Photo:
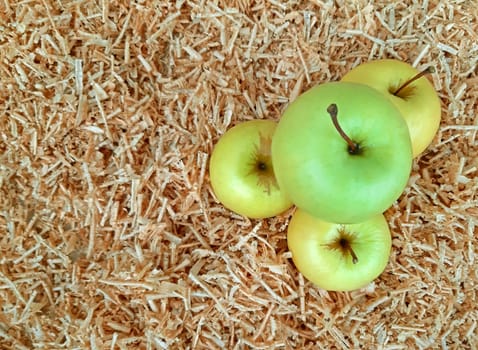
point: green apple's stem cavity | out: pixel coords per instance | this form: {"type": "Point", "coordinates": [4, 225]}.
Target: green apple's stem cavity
{"type": "Point", "coordinates": [343, 244]}
{"type": "Point", "coordinates": [400, 91]}
{"type": "Point", "coordinates": [354, 147]}
{"type": "Point", "coordinates": [261, 164]}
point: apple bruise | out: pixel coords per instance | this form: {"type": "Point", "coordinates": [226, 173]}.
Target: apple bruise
{"type": "Point", "coordinates": [261, 164]}
{"type": "Point", "coordinates": [354, 148]}
{"type": "Point", "coordinates": [343, 244]}
{"type": "Point", "coordinates": [406, 90]}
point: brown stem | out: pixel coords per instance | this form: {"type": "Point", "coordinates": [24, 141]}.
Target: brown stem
{"type": "Point", "coordinates": [348, 248]}
{"type": "Point", "coordinates": [343, 244]}
{"type": "Point", "coordinates": [333, 111]}
{"type": "Point", "coordinates": [428, 70]}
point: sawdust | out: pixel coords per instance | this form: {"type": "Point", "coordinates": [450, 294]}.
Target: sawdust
{"type": "Point", "coordinates": [110, 235]}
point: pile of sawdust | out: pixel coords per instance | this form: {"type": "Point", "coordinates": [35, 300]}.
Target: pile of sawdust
{"type": "Point", "coordinates": [110, 236]}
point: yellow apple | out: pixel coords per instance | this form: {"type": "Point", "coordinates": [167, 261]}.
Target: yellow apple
{"type": "Point", "coordinates": [339, 257]}
{"type": "Point", "coordinates": [411, 92]}
{"type": "Point", "coordinates": [241, 172]}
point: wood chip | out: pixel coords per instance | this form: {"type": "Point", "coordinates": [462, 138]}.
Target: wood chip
{"type": "Point", "coordinates": [111, 237]}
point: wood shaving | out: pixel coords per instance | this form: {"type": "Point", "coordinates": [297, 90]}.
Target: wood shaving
{"type": "Point", "coordinates": [111, 237]}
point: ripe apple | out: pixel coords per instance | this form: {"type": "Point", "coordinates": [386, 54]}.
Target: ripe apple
{"type": "Point", "coordinates": [339, 257]}
{"type": "Point", "coordinates": [413, 94]}
{"type": "Point", "coordinates": [342, 152]}
{"type": "Point", "coordinates": [241, 172]}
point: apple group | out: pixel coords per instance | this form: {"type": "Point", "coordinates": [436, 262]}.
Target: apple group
{"type": "Point", "coordinates": [341, 154]}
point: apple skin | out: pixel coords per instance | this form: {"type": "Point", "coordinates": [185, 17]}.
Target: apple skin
{"type": "Point", "coordinates": [308, 237]}
{"type": "Point", "coordinates": [312, 164]}
{"type": "Point", "coordinates": [421, 106]}
{"type": "Point", "coordinates": [232, 175]}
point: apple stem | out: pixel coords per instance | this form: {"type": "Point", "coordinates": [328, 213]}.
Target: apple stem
{"type": "Point", "coordinates": [345, 245]}
{"type": "Point", "coordinates": [428, 70]}
{"type": "Point", "coordinates": [333, 111]}
{"type": "Point", "coordinates": [352, 253]}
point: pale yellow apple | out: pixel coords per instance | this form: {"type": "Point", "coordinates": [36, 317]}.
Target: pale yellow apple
{"type": "Point", "coordinates": [339, 257]}
{"type": "Point", "coordinates": [418, 102]}
{"type": "Point", "coordinates": [241, 172]}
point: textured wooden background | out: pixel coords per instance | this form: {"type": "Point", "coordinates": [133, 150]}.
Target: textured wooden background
{"type": "Point", "coordinates": [110, 236]}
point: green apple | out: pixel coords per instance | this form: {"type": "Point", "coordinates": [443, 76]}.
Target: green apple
{"type": "Point", "coordinates": [241, 172]}
{"type": "Point", "coordinates": [413, 94]}
{"type": "Point", "coordinates": [339, 257]}
{"type": "Point", "coordinates": [342, 152]}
